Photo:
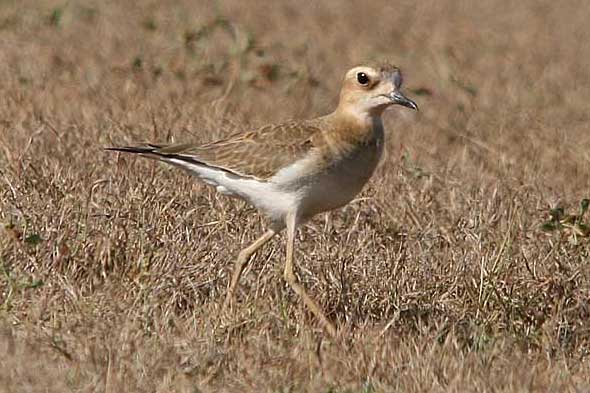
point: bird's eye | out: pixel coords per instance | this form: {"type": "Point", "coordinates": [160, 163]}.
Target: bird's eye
{"type": "Point", "coordinates": [362, 78]}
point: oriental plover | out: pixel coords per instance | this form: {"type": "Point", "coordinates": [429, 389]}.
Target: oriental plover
{"type": "Point", "coordinates": [297, 169]}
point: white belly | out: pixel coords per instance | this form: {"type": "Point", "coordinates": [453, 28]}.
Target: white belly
{"type": "Point", "coordinates": [331, 187]}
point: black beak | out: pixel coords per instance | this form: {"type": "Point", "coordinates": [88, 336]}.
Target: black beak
{"type": "Point", "coordinates": [398, 98]}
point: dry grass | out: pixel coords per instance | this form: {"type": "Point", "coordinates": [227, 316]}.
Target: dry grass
{"type": "Point", "coordinates": [113, 269]}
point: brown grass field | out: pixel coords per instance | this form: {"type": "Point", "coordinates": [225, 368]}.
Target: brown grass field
{"type": "Point", "coordinates": [464, 266]}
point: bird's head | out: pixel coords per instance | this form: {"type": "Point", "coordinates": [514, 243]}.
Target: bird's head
{"type": "Point", "coordinates": [369, 90]}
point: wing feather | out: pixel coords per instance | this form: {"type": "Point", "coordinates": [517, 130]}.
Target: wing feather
{"type": "Point", "coordinates": [257, 154]}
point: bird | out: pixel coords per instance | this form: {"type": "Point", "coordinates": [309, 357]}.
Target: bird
{"type": "Point", "coordinates": [294, 170]}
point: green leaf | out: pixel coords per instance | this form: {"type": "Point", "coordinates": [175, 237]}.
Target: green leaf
{"type": "Point", "coordinates": [150, 24]}
{"type": "Point", "coordinates": [35, 284]}
{"type": "Point", "coordinates": [556, 213]}
{"type": "Point", "coordinates": [550, 226]}
{"type": "Point", "coordinates": [56, 16]}
{"type": "Point", "coordinates": [584, 203]}
{"type": "Point", "coordinates": [33, 239]}
{"type": "Point", "coordinates": [137, 63]}
{"type": "Point", "coordinates": [422, 91]}
{"type": "Point", "coordinates": [584, 229]}
{"type": "Point", "coordinates": [368, 387]}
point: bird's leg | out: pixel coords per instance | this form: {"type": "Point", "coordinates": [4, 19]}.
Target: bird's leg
{"type": "Point", "coordinates": [242, 261]}
{"type": "Point", "coordinates": [292, 280]}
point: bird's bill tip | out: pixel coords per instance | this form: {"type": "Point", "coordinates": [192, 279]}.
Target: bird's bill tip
{"type": "Point", "coordinates": [397, 97]}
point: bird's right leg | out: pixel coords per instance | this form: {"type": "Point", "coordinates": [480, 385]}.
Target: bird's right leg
{"type": "Point", "coordinates": [242, 261]}
{"type": "Point", "coordinates": [290, 277]}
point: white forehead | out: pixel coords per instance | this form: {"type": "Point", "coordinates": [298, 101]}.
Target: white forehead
{"type": "Point", "coordinates": [393, 73]}
{"type": "Point", "coordinates": [370, 71]}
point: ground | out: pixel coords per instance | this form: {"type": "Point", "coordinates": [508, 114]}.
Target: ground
{"type": "Point", "coordinates": [463, 266]}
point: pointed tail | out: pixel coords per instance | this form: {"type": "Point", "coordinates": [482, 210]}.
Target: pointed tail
{"type": "Point", "coordinates": [147, 149]}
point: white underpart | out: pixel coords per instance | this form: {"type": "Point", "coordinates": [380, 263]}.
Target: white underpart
{"type": "Point", "coordinates": [269, 197]}
{"type": "Point", "coordinates": [293, 177]}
